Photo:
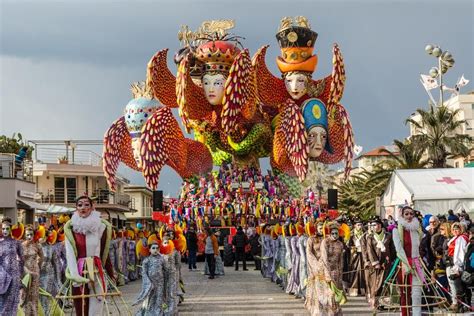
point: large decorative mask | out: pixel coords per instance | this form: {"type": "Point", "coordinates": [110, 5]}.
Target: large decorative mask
{"type": "Point", "coordinates": [137, 112]}
{"type": "Point", "coordinates": [316, 123]}
{"type": "Point", "coordinates": [213, 84]}
{"type": "Point", "coordinates": [217, 57]}
{"type": "Point", "coordinates": [296, 84]}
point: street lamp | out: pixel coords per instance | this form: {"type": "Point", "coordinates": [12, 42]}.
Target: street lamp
{"type": "Point", "coordinates": [445, 62]}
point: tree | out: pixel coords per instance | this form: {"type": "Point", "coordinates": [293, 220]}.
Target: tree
{"type": "Point", "coordinates": [409, 156]}
{"type": "Point", "coordinates": [439, 137]}
{"type": "Point", "coordinates": [12, 145]}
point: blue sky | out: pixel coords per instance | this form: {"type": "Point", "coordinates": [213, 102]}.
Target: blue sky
{"type": "Point", "coordinates": [66, 67]}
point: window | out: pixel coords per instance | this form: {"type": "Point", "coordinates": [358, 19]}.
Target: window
{"type": "Point", "coordinates": [65, 189]}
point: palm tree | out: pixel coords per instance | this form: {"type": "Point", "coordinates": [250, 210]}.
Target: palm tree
{"type": "Point", "coordinates": [439, 137]}
{"type": "Point", "coordinates": [409, 156]}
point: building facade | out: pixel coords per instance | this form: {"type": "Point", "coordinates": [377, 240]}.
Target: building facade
{"type": "Point", "coordinates": [61, 178]}
{"type": "Point", "coordinates": [17, 189]}
{"type": "Point", "coordinates": [142, 199]}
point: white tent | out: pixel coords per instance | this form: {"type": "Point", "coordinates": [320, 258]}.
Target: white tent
{"type": "Point", "coordinates": [433, 191]}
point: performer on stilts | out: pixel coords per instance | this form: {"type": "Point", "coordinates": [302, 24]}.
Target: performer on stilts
{"type": "Point", "coordinates": [406, 238]}
{"type": "Point", "coordinates": [87, 252]}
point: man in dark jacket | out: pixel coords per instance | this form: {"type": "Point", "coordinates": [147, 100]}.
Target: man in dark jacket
{"type": "Point", "coordinates": [256, 249]}
{"type": "Point", "coordinates": [239, 242]}
{"type": "Point", "coordinates": [191, 242]}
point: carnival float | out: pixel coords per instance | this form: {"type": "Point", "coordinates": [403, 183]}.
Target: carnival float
{"type": "Point", "coordinates": [236, 108]}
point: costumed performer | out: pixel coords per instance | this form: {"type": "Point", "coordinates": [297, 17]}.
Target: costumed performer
{"type": "Point", "coordinates": [50, 273]}
{"type": "Point", "coordinates": [380, 253]}
{"type": "Point", "coordinates": [153, 285]}
{"type": "Point", "coordinates": [87, 248]}
{"type": "Point", "coordinates": [33, 257]}
{"type": "Point", "coordinates": [356, 242]}
{"type": "Point", "coordinates": [11, 269]}
{"type": "Point", "coordinates": [406, 238]}
{"type": "Point", "coordinates": [331, 260]}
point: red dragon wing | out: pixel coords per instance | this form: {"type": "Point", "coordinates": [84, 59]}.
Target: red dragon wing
{"type": "Point", "coordinates": [239, 93]}
{"type": "Point", "coordinates": [192, 102]}
{"type": "Point", "coordinates": [296, 144]}
{"type": "Point", "coordinates": [161, 80]}
{"type": "Point", "coordinates": [117, 147]}
{"type": "Point", "coordinates": [162, 142]}
{"type": "Point", "coordinates": [270, 89]}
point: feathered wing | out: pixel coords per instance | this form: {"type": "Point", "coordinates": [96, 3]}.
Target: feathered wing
{"type": "Point", "coordinates": [271, 90]}
{"type": "Point", "coordinates": [338, 77]}
{"type": "Point", "coordinates": [239, 93]}
{"type": "Point", "coordinates": [162, 142]}
{"type": "Point", "coordinates": [117, 147]}
{"type": "Point", "coordinates": [192, 102]}
{"type": "Point", "coordinates": [341, 136]}
{"type": "Point", "coordinates": [295, 137]}
{"type": "Point", "coordinates": [160, 79]}
{"type": "Point", "coordinates": [348, 141]}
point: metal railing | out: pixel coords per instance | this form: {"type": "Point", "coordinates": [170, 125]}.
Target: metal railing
{"type": "Point", "coordinates": [69, 195]}
{"type": "Point", "coordinates": [14, 167]}
{"type": "Point", "coordinates": [72, 157]}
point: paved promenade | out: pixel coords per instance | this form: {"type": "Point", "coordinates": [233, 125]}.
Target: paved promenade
{"type": "Point", "coordinates": [238, 293]}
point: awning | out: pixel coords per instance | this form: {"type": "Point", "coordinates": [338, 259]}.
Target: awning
{"type": "Point", "coordinates": [30, 204]}
{"type": "Point", "coordinates": [58, 209]}
{"type": "Point", "coordinates": [121, 216]}
{"type": "Point", "coordinates": [116, 215]}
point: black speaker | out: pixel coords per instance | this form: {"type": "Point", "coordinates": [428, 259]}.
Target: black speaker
{"type": "Point", "coordinates": [332, 199]}
{"type": "Point", "coordinates": [158, 201]}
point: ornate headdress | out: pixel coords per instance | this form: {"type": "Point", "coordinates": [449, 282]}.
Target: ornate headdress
{"type": "Point", "coordinates": [296, 40]}
{"type": "Point", "coordinates": [216, 49]}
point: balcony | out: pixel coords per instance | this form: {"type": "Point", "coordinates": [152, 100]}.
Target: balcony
{"type": "Point", "coordinates": [69, 196]}
{"type": "Point", "coordinates": [47, 155]}
{"type": "Point", "coordinates": [12, 167]}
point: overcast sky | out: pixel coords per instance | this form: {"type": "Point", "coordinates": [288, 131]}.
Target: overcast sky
{"type": "Point", "coordinates": [66, 67]}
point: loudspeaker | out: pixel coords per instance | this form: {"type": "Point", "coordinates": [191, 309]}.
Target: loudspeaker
{"type": "Point", "coordinates": [332, 199]}
{"type": "Point", "coordinates": [158, 201]}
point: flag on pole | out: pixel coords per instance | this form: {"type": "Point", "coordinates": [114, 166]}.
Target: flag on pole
{"type": "Point", "coordinates": [428, 82]}
{"type": "Point", "coordinates": [462, 82]}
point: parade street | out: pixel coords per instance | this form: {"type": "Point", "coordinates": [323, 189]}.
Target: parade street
{"type": "Point", "coordinates": [238, 293]}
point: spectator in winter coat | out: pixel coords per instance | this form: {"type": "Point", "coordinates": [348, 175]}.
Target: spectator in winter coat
{"type": "Point", "coordinates": [239, 242]}
{"type": "Point", "coordinates": [256, 249]}
{"type": "Point", "coordinates": [457, 247]}
{"type": "Point", "coordinates": [425, 245]}
{"type": "Point", "coordinates": [451, 217]}
{"type": "Point", "coordinates": [211, 251]}
{"type": "Point", "coordinates": [191, 242]}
